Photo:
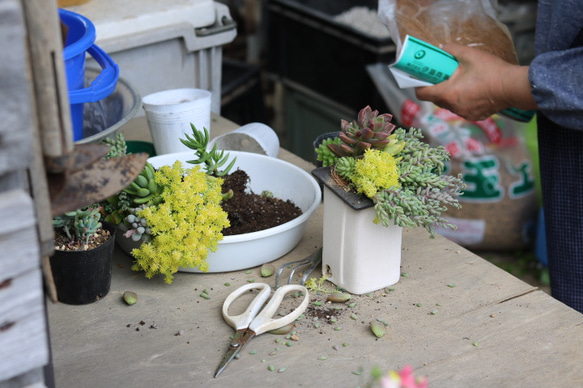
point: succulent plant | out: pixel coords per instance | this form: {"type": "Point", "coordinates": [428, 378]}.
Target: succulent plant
{"type": "Point", "coordinates": [370, 130]}
{"type": "Point", "coordinates": [137, 227]}
{"type": "Point", "coordinates": [400, 173]}
{"type": "Point", "coordinates": [324, 154]}
{"type": "Point", "coordinates": [144, 189]}
{"type": "Point", "coordinates": [185, 227]}
{"type": "Point", "coordinates": [79, 225]}
{"type": "Point", "coordinates": [214, 159]}
{"type": "Point", "coordinates": [117, 146]}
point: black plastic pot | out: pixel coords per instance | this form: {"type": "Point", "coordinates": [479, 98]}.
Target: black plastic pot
{"type": "Point", "coordinates": [83, 277]}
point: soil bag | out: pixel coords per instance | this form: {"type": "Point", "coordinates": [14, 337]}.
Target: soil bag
{"type": "Point", "coordinates": [467, 22]}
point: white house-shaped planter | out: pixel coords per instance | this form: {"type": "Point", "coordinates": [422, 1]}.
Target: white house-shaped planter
{"type": "Point", "coordinates": [358, 255]}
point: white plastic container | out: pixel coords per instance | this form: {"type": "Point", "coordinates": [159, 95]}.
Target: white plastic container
{"type": "Point", "coordinates": [253, 137]}
{"type": "Point", "coordinates": [160, 45]}
{"type": "Point", "coordinates": [170, 114]}
{"type": "Point", "coordinates": [358, 255]}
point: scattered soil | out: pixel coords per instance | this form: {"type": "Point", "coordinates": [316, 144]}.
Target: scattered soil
{"type": "Point", "coordinates": [62, 242]}
{"type": "Point", "coordinates": [251, 212]}
{"type": "Point", "coordinates": [324, 314]}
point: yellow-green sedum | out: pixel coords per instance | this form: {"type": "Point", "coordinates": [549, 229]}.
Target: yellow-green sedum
{"type": "Point", "coordinates": [185, 226]}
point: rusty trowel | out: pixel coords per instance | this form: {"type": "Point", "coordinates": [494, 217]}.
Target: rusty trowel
{"type": "Point", "coordinates": [86, 178]}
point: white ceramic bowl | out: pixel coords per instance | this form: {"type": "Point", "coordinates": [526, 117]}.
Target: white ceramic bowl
{"type": "Point", "coordinates": [285, 181]}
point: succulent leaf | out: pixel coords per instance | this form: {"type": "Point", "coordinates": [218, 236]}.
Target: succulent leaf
{"type": "Point", "coordinates": [370, 130]}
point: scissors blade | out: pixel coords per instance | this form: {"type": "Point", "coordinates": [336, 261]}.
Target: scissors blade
{"type": "Point", "coordinates": [241, 338]}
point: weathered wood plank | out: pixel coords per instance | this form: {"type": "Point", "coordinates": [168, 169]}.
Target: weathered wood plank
{"type": "Point", "coordinates": [23, 333]}
{"type": "Point", "coordinates": [32, 379]}
{"type": "Point", "coordinates": [18, 239]}
{"type": "Point", "coordinates": [50, 83]}
{"type": "Point", "coordinates": [16, 211]}
{"type": "Point", "coordinates": [23, 338]}
{"type": "Point", "coordinates": [14, 91]}
{"type": "Point", "coordinates": [20, 148]}
{"type": "Point", "coordinates": [512, 345]}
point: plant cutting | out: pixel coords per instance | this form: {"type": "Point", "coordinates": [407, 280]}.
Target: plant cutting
{"type": "Point", "coordinates": [378, 179]}
{"type": "Point", "coordinates": [182, 205]}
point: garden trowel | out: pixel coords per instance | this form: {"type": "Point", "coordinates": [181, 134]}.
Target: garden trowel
{"type": "Point", "coordinates": [90, 179]}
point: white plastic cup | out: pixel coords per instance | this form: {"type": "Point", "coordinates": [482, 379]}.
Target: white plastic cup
{"type": "Point", "coordinates": [253, 137]}
{"type": "Point", "coordinates": [170, 114]}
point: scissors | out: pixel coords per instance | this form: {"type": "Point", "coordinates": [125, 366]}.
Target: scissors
{"type": "Point", "coordinates": [253, 322]}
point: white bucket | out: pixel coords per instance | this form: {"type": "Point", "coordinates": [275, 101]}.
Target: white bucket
{"type": "Point", "coordinates": [170, 114]}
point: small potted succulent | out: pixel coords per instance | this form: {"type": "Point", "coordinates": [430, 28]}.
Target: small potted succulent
{"type": "Point", "coordinates": [83, 257]}
{"type": "Point", "coordinates": [378, 179]}
{"type": "Point", "coordinates": [82, 261]}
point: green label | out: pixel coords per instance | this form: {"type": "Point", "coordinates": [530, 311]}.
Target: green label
{"type": "Point", "coordinates": [425, 62]}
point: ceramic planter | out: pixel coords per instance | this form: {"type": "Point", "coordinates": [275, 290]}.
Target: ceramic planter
{"type": "Point", "coordinates": [358, 255]}
{"type": "Point", "coordinates": [83, 277]}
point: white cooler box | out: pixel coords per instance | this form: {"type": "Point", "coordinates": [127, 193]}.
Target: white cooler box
{"type": "Point", "coordinates": [161, 45]}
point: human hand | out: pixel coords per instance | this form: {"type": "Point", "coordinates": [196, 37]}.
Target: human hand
{"type": "Point", "coordinates": [483, 84]}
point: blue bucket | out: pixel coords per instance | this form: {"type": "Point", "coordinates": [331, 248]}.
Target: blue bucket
{"type": "Point", "coordinates": [80, 40]}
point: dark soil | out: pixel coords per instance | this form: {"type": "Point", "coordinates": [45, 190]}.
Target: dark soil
{"type": "Point", "coordinates": [62, 242]}
{"type": "Point", "coordinates": [251, 212]}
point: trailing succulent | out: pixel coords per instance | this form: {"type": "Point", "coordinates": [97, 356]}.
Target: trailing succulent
{"type": "Point", "coordinates": [395, 168]}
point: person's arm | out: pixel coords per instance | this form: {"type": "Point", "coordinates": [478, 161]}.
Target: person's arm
{"type": "Point", "coordinates": [482, 85]}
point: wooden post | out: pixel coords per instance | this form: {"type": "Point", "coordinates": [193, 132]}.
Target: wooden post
{"type": "Point", "coordinates": [50, 82]}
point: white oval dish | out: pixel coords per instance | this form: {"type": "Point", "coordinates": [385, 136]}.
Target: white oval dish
{"type": "Point", "coordinates": [285, 181]}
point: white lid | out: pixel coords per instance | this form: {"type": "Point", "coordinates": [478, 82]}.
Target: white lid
{"type": "Point", "coordinates": [116, 18]}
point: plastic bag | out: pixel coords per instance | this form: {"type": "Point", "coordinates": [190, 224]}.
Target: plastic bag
{"type": "Point", "coordinates": [468, 22]}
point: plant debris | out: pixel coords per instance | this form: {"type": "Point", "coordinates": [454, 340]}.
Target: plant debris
{"type": "Point", "coordinates": [130, 297]}
{"type": "Point", "coordinates": [378, 328]}
{"type": "Point", "coordinates": [267, 270]}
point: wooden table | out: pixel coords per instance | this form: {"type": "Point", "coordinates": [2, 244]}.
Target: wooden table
{"type": "Point", "coordinates": [453, 316]}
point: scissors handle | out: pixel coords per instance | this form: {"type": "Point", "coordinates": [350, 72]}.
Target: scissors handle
{"type": "Point", "coordinates": [243, 320]}
{"type": "Point", "coordinates": [264, 322]}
